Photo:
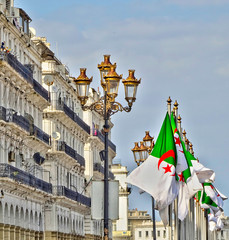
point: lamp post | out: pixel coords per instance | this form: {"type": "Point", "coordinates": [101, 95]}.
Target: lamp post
{"type": "Point", "coordinates": [140, 155]}
{"type": "Point", "coordinates": [107, 106]}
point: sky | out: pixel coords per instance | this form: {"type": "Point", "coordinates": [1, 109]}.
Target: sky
{"type": "Point", "coordinates": [179, 48]}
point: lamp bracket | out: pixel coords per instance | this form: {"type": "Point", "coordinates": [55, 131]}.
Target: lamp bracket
{"type": "Point", "coordinates": [112, 107]}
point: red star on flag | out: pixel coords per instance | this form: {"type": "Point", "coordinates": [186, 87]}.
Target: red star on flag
{"type": "Point", "coordinates": [181, 177]}
{"type": "Point", "coordinates": [177, 141]}
{"type": "Point", "coordinates": [168, 168]}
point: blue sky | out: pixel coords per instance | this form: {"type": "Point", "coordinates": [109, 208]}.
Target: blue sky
{"type": "Point", "coordinates": [178, 47]}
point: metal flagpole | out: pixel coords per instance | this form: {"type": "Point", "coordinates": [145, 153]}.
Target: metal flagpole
{"type": "Point", "coordinates": [154, 221]}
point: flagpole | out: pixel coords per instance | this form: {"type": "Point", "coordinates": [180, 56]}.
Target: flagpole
{"type": "Point", "coordinates": [206, 219]}
{"type": "Point", "coordinates": [154, 221]}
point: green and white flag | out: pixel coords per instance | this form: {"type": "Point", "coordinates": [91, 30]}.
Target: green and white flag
{"type": "Point", "coordinates": [211, 198]}
{"type": "Point", "coordinates": [204, 174]}
{"type": "Point", "coordinates": [157, 175]}
{"type": "Point", "coordinates": [214, 195]}
{"type": "Point", "coordinates": [188, 181]}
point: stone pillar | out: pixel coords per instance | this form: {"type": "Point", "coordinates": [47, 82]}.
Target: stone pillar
{"type": "Point", "coordinates": [22, 234]}
{"type": "Point", "coordinates": [27, 234]}
{"type": "Point", "coordinates": [6, 232]}
{"type": "Point", "coordinates": [17, 233]}
{"type": "Point", "coordinates": [12, 232]}
{"type": "Point", "coordinates": [1, 231]}
{"type": "Point", "coordinates": [32, 235]}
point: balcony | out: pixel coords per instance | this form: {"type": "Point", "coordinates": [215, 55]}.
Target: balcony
{"type": "Point", "coordinates": [18, 67]}
{"type": "Point", "coordinates": [98, 167]}
{"type": "Point", "coordinates": [62, 146]}
{"type": "Point", "coordinates": [9, 115]}
{"type": "Point", "coordinates": [102, 138]}
{"type": "Point", "coordinates": [75, 196]}
{"type": "Point", "coordinates": [40, 90]}
{"type": "Point", "coordinates": [18, 175]}
{"type": "Point", "coordinates": [60, 105]}
{"type": "Point", "coordinates": [25, 72]}
{"type": "Point", "coordinates": [37, 132]}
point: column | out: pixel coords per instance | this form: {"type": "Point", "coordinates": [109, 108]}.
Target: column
{"type": "Point", "coordinates": [1, 231]}
{"type": "Point", "coordinates": [32, 235]}
{"type": "Point", "coordinates": [27, 234]}
{"type": "Point", "coordinates": [22, 233]}
{"type": "Point", "coordinates": [6, 232]}
{"type": "Point", "coordinates": [17, 233]}
{"type": "Point", "coordinates": [12, 232]}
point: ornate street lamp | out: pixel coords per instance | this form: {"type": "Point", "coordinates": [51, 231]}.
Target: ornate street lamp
{"type": "Point", "coordinates": [140, 155]}
{"type": "Point", "coordinates": [82, 85]}
{"type": "Point", "coordinates": [107, 106]}
{"type": "Point", "coordinates": [148, 142]}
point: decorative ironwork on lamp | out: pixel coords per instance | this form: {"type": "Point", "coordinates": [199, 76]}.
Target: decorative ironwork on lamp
{"type": "Point", "coordinates": [110, 83]}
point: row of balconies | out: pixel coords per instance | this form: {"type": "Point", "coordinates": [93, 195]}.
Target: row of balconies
{"type": "Point", "coordinates": [97, 133]}
{"type": "Point", "coordinates": [62, 146]}
{"type": "Point", "coordinates": [9, 115]}
{"type": "Point", "coordinates": [64, 191]}
{"type": "Point", "coordinates": [98, 167]}
{"type": "Point", "coordinates": [60, 105]}
{"type": "Point", "coordinates": [25, 72]}
{"type": "Point", "coordinates": [20, 176]}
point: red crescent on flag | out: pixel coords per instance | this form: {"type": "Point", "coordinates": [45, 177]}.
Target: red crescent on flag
{"type": "Point", "coordinates": [166, 155]}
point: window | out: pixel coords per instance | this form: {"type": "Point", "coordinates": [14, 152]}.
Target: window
{"type": "Point", "coordinates": [164, 234]}
{"type": "Point", "coordinates": [158, 233]}
{"type": "Point", "coordinates": [140, 234]}
{"type": "Point", "coordinates": [147, 234]}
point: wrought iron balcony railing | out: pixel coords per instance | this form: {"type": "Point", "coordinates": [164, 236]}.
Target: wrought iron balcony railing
{"type": "Point", "coordinates": [37, 132]}
{"type": "Point", "coordinates": [40, 90]}
{"type": "Point", "coordinates": [60, 105]}
{"type": "Point", "coordinates": [62, 146]}
{"type": "Point", "coordinates": [23, 177]}
{"type": "Point", "coordinates": [9, 115]}
{"type": "Point", "coordinates": [73, 195]}
{"type": "Point", "coordinates": [102, 138]}
{"type": "Point", "coordinates": [98, 167]}
{"type": "Point", "coordinates": [25, 72]}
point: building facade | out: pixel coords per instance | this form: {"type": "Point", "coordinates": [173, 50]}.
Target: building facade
{"type": "Point", "coordinates": [120, 227]}
{"type": "Point", "coordinates": [49, 147]}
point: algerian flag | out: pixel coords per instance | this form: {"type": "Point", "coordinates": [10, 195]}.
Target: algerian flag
{"type": "Point", "coordinates": [188, 181]}
{"type": "Point", "coordinates": [214, 194]}
{"type": "Point", "coordinates": [204, 174]}
{"type": "Point", "coordinates": [210, 198]}
{"type": "Point", "coordinates": [156, 175]}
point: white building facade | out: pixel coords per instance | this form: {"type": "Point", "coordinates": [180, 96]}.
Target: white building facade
{"type": "Point", "coordinates": [120, 227]}
{"type": "Point", "coordinates": [49, 147]}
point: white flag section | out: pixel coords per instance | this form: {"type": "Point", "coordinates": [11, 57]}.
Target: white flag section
{"type": "Point", "coordinates": [204, 174]}
{"type": "Point", "coordinates": [214, 221]}
{"type": "Point", "coordinates": [157, 179]}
